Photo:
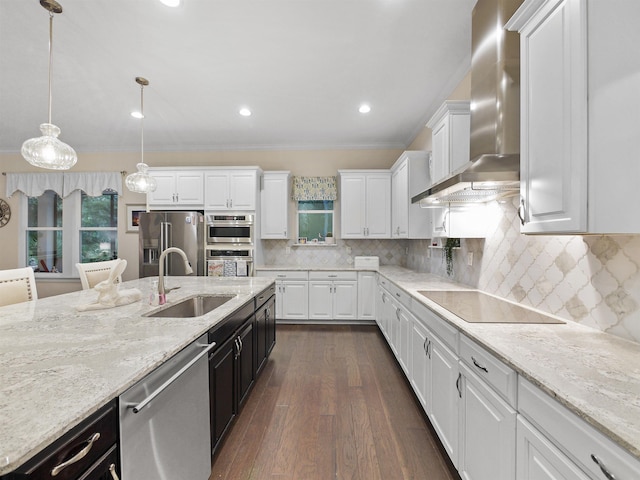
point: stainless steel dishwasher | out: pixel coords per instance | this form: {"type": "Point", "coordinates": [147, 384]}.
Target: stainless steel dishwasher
{"type": "Point", "coordinates": [164, 420]}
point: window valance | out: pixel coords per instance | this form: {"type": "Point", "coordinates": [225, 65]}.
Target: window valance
{"type": "Point", "coordinates": [314, 188]}
{"type": "Point", "coordinates": [63, 183]}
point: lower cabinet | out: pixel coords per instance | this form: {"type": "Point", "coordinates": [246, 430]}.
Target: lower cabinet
{"type": "Point", "coordinates": [487, 448]}
{"type": "Point", "coordinates": [265, 327]}
{"type": "Point", "coordinates": [333, 295]}
{"type": "Point", "coordinates": [367, 287]}
{"type": "Point", "coordinates": [246, 338]}
{"type": "Point", "coordinates": [88, 452]}
{"type": "Point", "coordinates": [539, 459]}
{"type": "Point", "coordinates": [443, 396]}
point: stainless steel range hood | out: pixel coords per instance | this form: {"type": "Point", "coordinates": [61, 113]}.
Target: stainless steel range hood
{"type": "Point", "coordinates": [494, 168]}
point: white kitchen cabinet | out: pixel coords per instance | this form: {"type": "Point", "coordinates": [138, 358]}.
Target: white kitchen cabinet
{"type": "Point", "coordinates": [367, 286]}
{"type": "Point", "coordinates": [539, 459]}
{"type": "Point", "coordinates": [292, 293]}
{"type": "Point", "coordinates": [333, 295]}
{"type": "Point", "coordinates": [230, 189]}
{"type": "Point", "coordinates": [383, 308]}
{"type": "Point", "coordinates": [365, 203]}
{"type": "Point", "coordinates": [579, 116]}
{"type": "Point", "coordinates": [585, 447]}
{"type": "Point", "coordinates": [409, 177]}
{"type": "Point", "coordinates": [444, 394]}
{"type": "Point", "coordinates": [459, 221]}
{"type": "Point", "coordinates": [487, 447]}
{"type": "Point", "coordinates": [274, 207]}
{"type": "Point", "coordinates": [450, 129]}
{"type": "Point", "coordinates": [176, 189]}
{"type": "Point", "coordinates": [420, 363]}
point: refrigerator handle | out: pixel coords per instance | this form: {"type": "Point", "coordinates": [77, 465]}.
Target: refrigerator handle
{"type": "Point", "coordinates": [165, 242]}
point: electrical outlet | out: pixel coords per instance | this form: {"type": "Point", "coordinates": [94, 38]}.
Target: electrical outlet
{"type": "Point", "coordinates": [470, 258]}
{"type": "Point", "coordinates": [348, 250]}
{"type": "Point", "coordinates": [428, 253]}
{"type": "Point", "coordinates": [287, 250]}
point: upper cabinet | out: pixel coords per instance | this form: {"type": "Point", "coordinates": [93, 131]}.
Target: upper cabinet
{"type": "Point", "coordinates": [580, 114]}
{"type": "Point", "coordinates": [231, 189]}
{"type": "Point", "coordinates": [274, 208]}
{"type": "Point", "coordinates": [176, 189]}
{"type": "Point", "coordinates": [365, 203]}
{"type": "Point", "coordinates": [450, 127]}
{"type": "Point", "coordinates": [409, 177]}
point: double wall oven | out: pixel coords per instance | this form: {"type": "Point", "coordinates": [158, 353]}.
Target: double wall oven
{"type": "Point", "coordinates": [229, 244]}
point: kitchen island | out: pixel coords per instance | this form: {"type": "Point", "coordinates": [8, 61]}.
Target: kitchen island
{"type": "Point", "coordinates": [58, 365]}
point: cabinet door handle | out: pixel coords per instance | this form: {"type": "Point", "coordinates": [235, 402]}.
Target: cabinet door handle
{"type": "Point", "coordinates": [475, 362]}
{"type": "Point", "coordinates": [608, 475]}
{"type": "Point", "coordinates": [241, 344]}
{"type": "Point", "coordinates": [521, 211]}
{"type": "Point", "coordinates": [429, 349]}
{"type": "Point", "coordinates": [77, 457]}
{"type": "Point", "coordinates": [112, 471]}
{"type": "Point", "coordinates": [458, 385]}
{"type": "Point", "coordinates": [398, 314]}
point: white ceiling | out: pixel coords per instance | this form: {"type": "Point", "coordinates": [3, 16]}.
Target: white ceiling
{"type": "Point", "coordinates": [302, 66]}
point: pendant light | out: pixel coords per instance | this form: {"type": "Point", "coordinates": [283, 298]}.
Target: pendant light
{"type": "Point", "coordinates": [47, 151]}
{"type": "Point", "coordinates": [141, 181]}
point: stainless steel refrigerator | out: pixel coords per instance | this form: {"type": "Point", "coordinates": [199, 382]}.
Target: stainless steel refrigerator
{"type": "Point", "coordinates": [161, 230]}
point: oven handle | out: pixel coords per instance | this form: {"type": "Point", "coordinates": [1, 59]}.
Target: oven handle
{"type": "Point", "coordinates": [161, 388]}
{"type": "Point", "coordinates": [234, 259]}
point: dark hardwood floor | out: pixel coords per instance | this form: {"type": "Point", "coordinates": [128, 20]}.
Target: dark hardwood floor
{"type": "Point", "coordinates": [331, 404]}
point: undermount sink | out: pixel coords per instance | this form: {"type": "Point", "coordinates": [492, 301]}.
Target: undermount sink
{"type": "Point", "coordinates": [195, 306]}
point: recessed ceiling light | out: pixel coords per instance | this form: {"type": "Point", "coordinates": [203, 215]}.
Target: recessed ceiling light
{"type": "Point", "coordinates": [137, 115]}
{"type": "Point", "coordinates": [364, 108]}
{"type": "Point", "coordinates": [245, 112]}
{"type": "Point", "coordinates": [171, 3]}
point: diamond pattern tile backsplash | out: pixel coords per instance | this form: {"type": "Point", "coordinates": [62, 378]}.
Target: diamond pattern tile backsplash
{"type": "Point", "coordinates": [390, 252]}
{"type": "Point", "coordinates": [593, 280]}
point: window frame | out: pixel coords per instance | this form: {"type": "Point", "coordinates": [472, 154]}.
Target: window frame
{"type": "Point", "coordinates": [332, 212]}
{"type": "Point", "coordinates": [71, 228]}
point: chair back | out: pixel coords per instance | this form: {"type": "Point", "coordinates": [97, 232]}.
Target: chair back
{"type": "Point", "coordinates": [95, 272]}
{"type": "Point", "coordinates": [17, 285]}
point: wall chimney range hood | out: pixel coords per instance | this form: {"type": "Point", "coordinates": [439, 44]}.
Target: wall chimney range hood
{"type": "Point", "coordinates": [493, 171]}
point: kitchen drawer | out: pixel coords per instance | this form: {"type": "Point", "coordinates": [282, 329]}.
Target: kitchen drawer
{"type": "Point", "coordinates": [102, 427]}
{"type": "Point", "coordinates": [577, 439]}
{"type": "Point", "coordinates": [285, 274]}
{"type": "Point", "coordinates": [334, 275]}
{"type": "Point", "coordinates": [447, 333]}
{"type": "Point", "coordinates": [396, 292]}
{"type": "Point", "coordinates": [265, 295]}
{"type": "Point", "coordinates": [502, 379]}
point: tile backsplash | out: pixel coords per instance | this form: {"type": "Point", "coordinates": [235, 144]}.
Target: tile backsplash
{"type": "Point", "coordinates": [593, 280]}
{"type": "Point", "coordinates": [390, 252]}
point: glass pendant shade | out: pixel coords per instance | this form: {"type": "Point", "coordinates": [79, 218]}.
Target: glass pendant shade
{"type": "Point", "coordinates": [141, 181]}
{"type": "Point", "coordinates": [47, 151]}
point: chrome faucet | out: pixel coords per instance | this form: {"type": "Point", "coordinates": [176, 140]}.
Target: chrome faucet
{"type": "Point", "coordinates": [162, 298]}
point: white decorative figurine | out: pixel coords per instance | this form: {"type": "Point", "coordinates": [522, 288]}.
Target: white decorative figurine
{"type": "Point", "coordinates": [109, 293]}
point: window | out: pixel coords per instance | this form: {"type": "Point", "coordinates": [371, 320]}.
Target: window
{"type": "Point", "coordinates": [61, 232]}
{"type": "Point", "coordinates": [315, 220]}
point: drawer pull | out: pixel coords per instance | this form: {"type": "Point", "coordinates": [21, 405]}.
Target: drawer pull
{"type": "Point", "coordinates": [398, 295]}
{"type": "Point", "coordinates": [607, 473]}
{"type": "Point", "coordinates": [475, 362]}
{"type": "Point", "coordinates": [77, 457]}
{"type": "Point", "coordinates": [281, 276]}
{"type": "Point", "coordinates": [112, 471]}
{"type": "Point", "coordinates": [333, 276]}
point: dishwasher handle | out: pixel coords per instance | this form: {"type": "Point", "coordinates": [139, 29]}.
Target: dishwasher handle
{"type": "Point", "coordinates": [161, 388]}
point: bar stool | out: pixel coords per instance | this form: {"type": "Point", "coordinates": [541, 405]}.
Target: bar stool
{"type": "Point", "coordinates": [17, 285]}
{"type": "Point", "coordinates": [95, 272]}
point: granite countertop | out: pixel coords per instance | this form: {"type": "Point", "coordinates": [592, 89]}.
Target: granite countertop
{"type": "Point", "coordinates": [594, 374]}
{"type": "Point", "coordinates": [58, 366]}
